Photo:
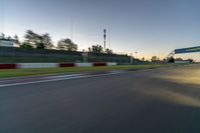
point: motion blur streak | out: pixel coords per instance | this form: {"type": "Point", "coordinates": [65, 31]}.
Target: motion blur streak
{"type": "Point", "coordinates": [188, 76]}
{"type": "Point", "coordinates": [173, 97]}
{"type": "Point", "coordinates": [132, 102]}
{"type": "Point", "coordinates": [184, 75]}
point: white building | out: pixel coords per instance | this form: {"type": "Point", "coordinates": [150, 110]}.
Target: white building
{"type": "Point", "coordinates": [8, 43]}
{"type": "Point", "coordinates": [182, 61]}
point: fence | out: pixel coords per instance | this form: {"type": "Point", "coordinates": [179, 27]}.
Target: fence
{"type": "Point", "coordinates": [15, 55]}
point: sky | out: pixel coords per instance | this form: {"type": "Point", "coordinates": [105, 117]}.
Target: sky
{"type": "Point", "coordinates": [150, 27]}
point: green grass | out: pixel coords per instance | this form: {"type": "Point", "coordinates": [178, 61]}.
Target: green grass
{"type": "Point", "coordinates": [40, 71]}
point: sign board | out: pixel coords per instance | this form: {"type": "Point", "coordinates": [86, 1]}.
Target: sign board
{"type": "Point", "coordinates": [187, 50]}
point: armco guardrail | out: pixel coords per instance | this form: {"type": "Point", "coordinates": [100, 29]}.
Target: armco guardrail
{"type": "Point", "coordinates": [54, 65]}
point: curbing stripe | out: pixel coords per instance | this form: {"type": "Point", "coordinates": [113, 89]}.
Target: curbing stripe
{"type": "Point", "coordinates": [67, 65]}
{"type": "Point", "coordinates": [37, 65]}
{"type": "Point", "coordinates": [84, 64]}
{"type": "Point", "coordinates": [8, 66]}
{"type": "Point", "coordinates": [54, 65]}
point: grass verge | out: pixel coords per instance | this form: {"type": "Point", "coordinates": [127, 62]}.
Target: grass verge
{"type": "Point", "coordinates": [40, 71]}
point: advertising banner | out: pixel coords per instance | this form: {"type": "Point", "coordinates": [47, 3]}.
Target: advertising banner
{"type": "Point", "coordinates": [187, 50]}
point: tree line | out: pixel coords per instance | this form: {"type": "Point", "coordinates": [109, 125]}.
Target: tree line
{"type": "Point", "coordinates": [156, 59]}
{"type": "Point", "coordinates": [44, 41]}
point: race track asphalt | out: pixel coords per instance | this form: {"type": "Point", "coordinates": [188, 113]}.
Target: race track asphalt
{"type": "Point", "coordinates": [164, 100]}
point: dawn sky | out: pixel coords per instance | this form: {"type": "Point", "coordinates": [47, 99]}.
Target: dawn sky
{"type": "Point", "coordinates": [151, 27]}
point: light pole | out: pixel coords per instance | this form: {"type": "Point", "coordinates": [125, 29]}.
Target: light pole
{"type": "Point", "coordinates": [104, 37]}
{"type": "Point", "coordinates": [131, 58]}
{"type": "Point", "coordinates": [136, 54]}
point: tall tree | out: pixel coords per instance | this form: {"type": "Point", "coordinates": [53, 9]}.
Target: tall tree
{"type": "Point", "coordinates": [96, 49]}
{"type": "Point", "coordinates": [143, 59]}
{"type": "Point", "coordinates": [179, 59]}
{"type": "Point", "coordinates": [38, 41]}
{"type": "Point", "coordinates": [190, 60]}
{"type": "Point", "coordinates": [32, 38]}
{"type": "Point", "coordinates": [16, 38]}
{"type": "Point", "coordinates": [67, 44]}
{"type": "Point", "coordinates": [2, 36]}
{"type": "Point", "coordinates": [46, 40]}
{"type": "Point", "coordinates": [108, 51]}
{"type": "Point", "coordinates": [170, 59]}
{"type": "Point", "coordinates": [26, 45]}
{"type": "Point", "coordinates": [155, 59]}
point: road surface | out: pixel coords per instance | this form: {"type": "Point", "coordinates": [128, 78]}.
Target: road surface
{"type": "Point", "coordinates": [165, 100]}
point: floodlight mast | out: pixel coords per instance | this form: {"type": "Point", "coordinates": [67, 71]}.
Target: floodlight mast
{"type": "Point", "coordinates": [104, 37]}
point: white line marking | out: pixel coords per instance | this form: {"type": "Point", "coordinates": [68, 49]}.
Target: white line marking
{"type": "Point", "coordinates": [42, 81]}
{"type": "Point", "coordinates": [68, 78]}
{"type": "Point", "coordinates": [63, 76]}
{"type": "Point", "coordinates": [57, 79]}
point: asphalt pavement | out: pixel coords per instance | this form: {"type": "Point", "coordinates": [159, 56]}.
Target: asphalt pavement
{"type": "Point", "coordinates": [164, 100]}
